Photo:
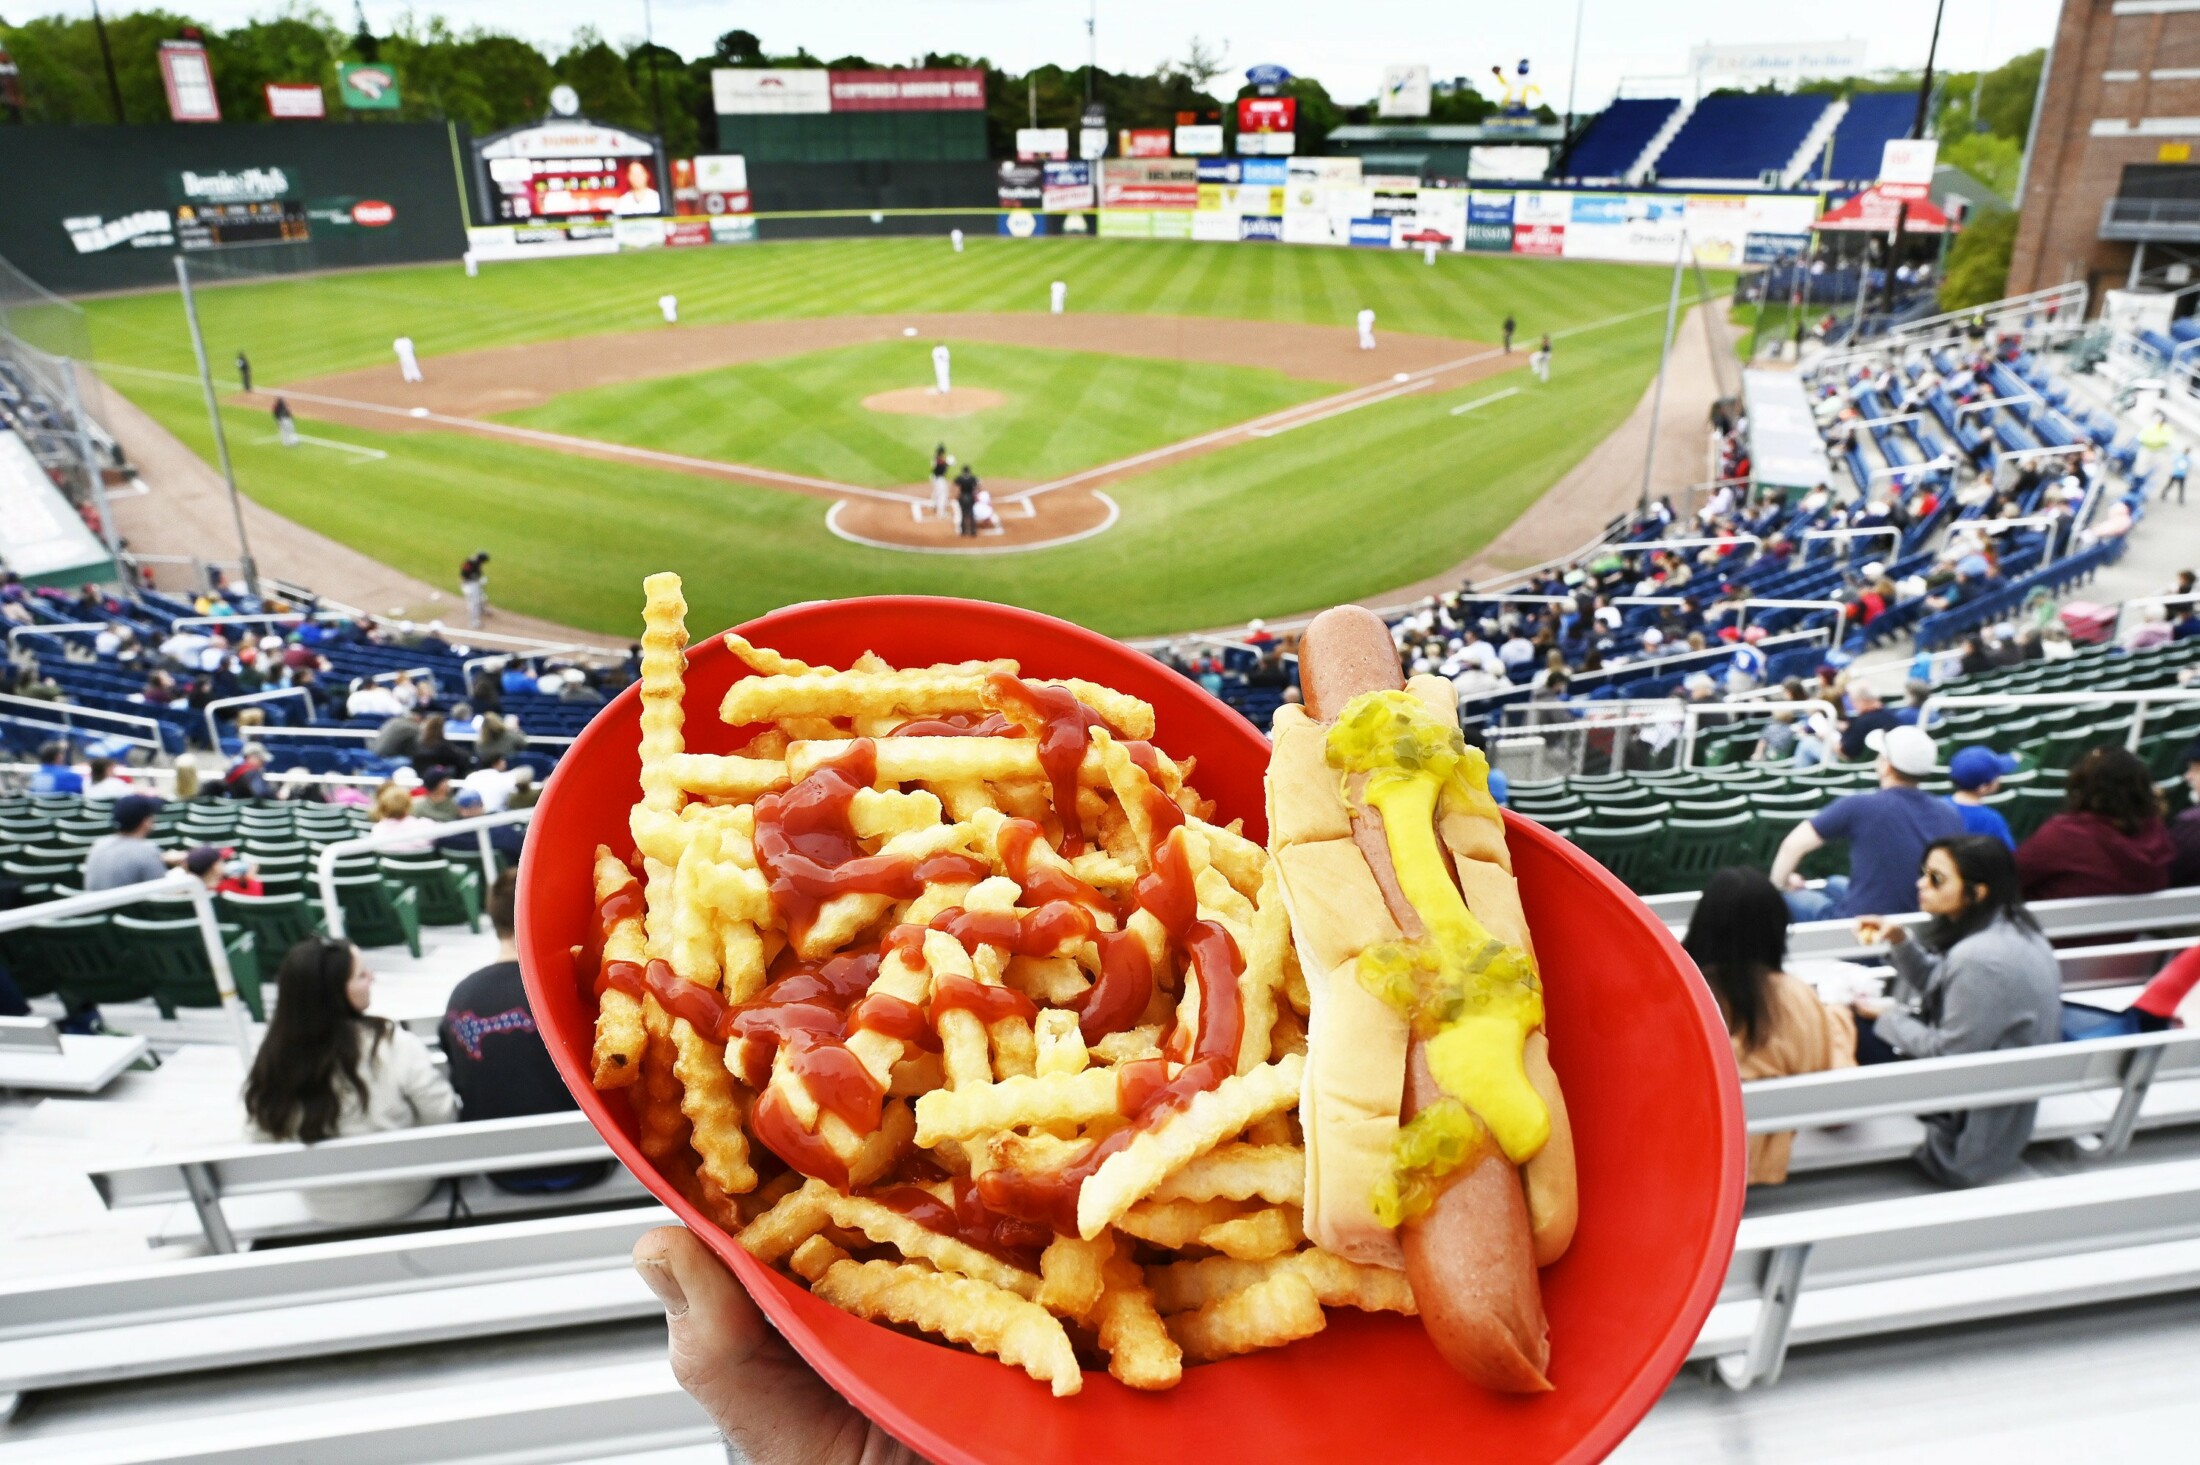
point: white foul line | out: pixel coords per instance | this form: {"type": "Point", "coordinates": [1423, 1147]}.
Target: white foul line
{"type": "Point", "coordinates": [1465, 407]}
{"type": "Point", "coordinates": [327, 442]}
{"type": "Point", "coordinates": [1337, 411]}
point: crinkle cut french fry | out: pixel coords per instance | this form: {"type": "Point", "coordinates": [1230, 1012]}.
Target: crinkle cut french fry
{"type": "Point", "coordinates": [981, 1316]}
{"type": "Point", "coordinates": [1275, 1173]}
{"type": "Point", "coordinates": [921, 692]}
{"type": "Point", "coordinates": [766, 662]}
{"type": "Point", "coordinates": [884, 1147]}
{"type": "Point", "coordinates": [801, 1214]}
{"type": "Point", "coordinates": [707, 1099]}
{"type": "Point", "coordinates": [726, 776]}
{"type": "Point", "coordinates": [1174, 1224]}
{"type": "Point", "coordinates": [1059, 1098]}
{"type": "Point", "coordinates": [1256, 1237]}
{"type": "Point", "coordinates": [1188, 1285]}
{"type": "Point", "coordinates": [1262, 981]}
{"type": "Point", "coordinates": [889, 1227]}
{"type": "Point", "coordinates": [663, 681]}
{"type": "Point", "coordinates": [1071, 1274]}
{"type": "Point", "coordinates": [1281, 1309]}
{"type": "Point", "coordinates": [1140, 1351]}
{"type": "Point", "coordinates": [1132, 1172]}
{"type": "Point", "coordinates": [814, 1258]}
{"type": "Point", "coordinates": [620, 1035]}
{"type": "Point", "coordinates": [661, 1119]}
{"type": "Point", "coordinates": [1058, 1043]}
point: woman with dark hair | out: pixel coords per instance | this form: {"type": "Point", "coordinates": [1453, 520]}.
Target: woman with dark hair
{"type": "Point", "coordinates": [326, 1068]}
{"type": "Point", "coordinates": [436, 750]}
{"type": "Point", "coordinates": [1738, 939]}
{"type": "Point", "coordinates": [1980, 976]}
{"type": "Point", "coordinates": [2108, 840]}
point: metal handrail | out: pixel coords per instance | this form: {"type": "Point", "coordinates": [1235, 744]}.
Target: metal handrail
{"type": "Point", "coordinates": [1839, 608]}
{"type": "Point", "coordinates": [2047, 524]}
{"type": "Point", "coordinates": [455, 734]}
{"type": "Point", "coordinates": [479, 825]}
{"type": "Point", "coordinates": [1656, 544]}
{"type": "Point", "coordinates": [1855, 533]}
{"type": "Point", "coordinates": [167, 887]}
{"type": "Point", "coordinates": [2139, 702]}
{"type": "Point", "coordinates": [213, 732]}
{"type": "Point", "coordinates": [156, 774]}
{"type": "Point", "coordinates": [71, 711]}
{"type": "Point", "coordinates": [56, 629]}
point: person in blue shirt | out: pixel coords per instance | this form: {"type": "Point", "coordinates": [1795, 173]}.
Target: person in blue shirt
{"type": "Point", "coordinates": [1888, 831]}
{"type": "Point", "coordinates": [54, 775]}
{"type": "Point", "coordinates": [2179, 466]}
{"type": "Point", "coordinates": [1977, 773]}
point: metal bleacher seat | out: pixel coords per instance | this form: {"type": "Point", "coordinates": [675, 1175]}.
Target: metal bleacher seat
{"type": "Point", "coordinates": [169, 957]}
{"type": "Point", "coordinates": [340, 1297]}
{"type": "Point", "coordinates": [247, 1191]}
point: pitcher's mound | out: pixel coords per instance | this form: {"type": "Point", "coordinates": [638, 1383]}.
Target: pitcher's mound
{"type": "Point", "coordinates": [925, 402]}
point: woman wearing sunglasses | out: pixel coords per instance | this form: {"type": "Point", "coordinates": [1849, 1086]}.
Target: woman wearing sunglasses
{"type": "Point", "coordinates": [1979, 976]}
{"type": "Point", "coordinates": [327, 1068]}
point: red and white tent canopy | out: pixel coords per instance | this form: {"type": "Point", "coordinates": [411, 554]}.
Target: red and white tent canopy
{"type": "Point", "coordinates": [1873, 212]}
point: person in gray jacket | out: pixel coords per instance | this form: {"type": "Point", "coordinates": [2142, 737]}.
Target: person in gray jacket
{"type": "Point", "coordinates": [1979, 977]}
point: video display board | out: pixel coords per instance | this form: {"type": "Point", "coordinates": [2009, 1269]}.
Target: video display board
{"type": "Point", "coordinates": [569, 170]}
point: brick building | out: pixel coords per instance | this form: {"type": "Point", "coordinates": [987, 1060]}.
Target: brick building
{"type": "Point", "coordinates": [2112, 190]}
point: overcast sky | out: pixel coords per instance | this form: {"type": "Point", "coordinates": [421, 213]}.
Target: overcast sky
{"type": "Point", "coordinates": [1344, 45]}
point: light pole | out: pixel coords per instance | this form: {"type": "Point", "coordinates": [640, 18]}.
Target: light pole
{"type": "Point", "coordinates": [1573, 72]}
{"type": "Point", "coordinates": [221, 439]}
{"type": "Point", "coordinates": [1657, 393]}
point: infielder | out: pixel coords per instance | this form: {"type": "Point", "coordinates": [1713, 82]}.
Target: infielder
{"type": "Point", "coordinates": [1367, 330]}
{"type": "Point", "coordinates": [1539, 360]}
{"type": "Point", "coordinates": [1058, 295]}
{"type": "Point", "coordinates": [957, 236]}
{"type": "Point", "coordinates": [408, 365]}
{"type": "Point", "coordinates": [941, 384]}
{"type": "Point", "coordinates": [670, 305]}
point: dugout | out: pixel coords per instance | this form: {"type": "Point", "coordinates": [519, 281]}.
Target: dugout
{"type": "Point", "coordinates": [107, 207]}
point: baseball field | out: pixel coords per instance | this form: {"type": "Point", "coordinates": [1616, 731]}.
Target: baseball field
{"type": "Point", "coordinates": [1197, 440]}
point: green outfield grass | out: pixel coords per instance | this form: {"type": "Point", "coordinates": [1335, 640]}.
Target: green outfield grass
{"type": "Point", "coordinates": [1350, 506]}
{"type": "Point", "coordinates": [804, 414]}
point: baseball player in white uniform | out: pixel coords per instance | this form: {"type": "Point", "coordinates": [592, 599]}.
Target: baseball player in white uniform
{"type": "Point", "coordinates": [670, 305]}
{"type": "Point", "coordinates": [957, 236]}
{"type": "Point", "coordinates": [1367, 330]}
{"type": "Point", "coordinates": [408, 364]}
{"type": "Point", "coordinates": [1058, 296]}
{"type": "Point", "coordinates": [941, 383]}
{"type": "Point", "coordinates": [943, 489]}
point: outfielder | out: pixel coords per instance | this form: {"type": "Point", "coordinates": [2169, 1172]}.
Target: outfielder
{"type": "Point", "coordinates": [941, 383]}
{"type": "Point", "coordinates": [408, 364]}
{"type": "Point", "coordinates": [670, 305]}
{"type": "Point", "coordinates": [1367, 330]}
{"type": "Point", "coordinates": [1058, 295]}
{"type": "Point", "coordinates": [957, 236]}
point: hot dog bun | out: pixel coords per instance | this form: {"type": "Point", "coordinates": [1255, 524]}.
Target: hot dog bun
{"type": "Point", "coordinates": [1472, 1256]}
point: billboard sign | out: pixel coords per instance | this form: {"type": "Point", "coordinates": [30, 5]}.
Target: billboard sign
{"type": "Point", "coordinates": [1149, 184]}
{"type": "Point", "coordinates": [189, 77]}
{"type": "Point", "coordinates": [1199, 140]}
{"type": "Point", "coordinates": [756, 92]}
{"type": "Point", "coordinates": [906, 91]}
{"type": "Point", "coordinates": [1068, 186]}
{"type": "Point", "coordinates": [1144, 142]}
{"type": "Point", "coordinates": [1092, 143]}
{"type": "Point", "coordinates": [295, 100]}
{"type": "Point", "coordinates": [1405, 92]}
{"type": "Point", "coordinates": [1511, 163]}
{"type": "Point", "coordinates": [1544, 239]}
{"type": "Point", "coordinates": [568, 169]}
{"type": "Point", "coordinates": [145, 229]}
{"type": "Point", "coordinates": [1268, 114]}
{"type": "Point", "coordinates": [1267, 75]}
{"type": "Point", "coordinates": [1265, 227]}
{"type": "Point", "coordinates": [1717, 65]}
{"type": "Point", "coordinates": [721, 173]}
{"type": "Point", "coordinates": [1020, 185]}
{"type": "Point", "coordinates": [1037, 143]}
{"type": "Point", "coordinates": [368, 86]}
{"type": "Point", "coordinates": [11, 80]}
{"type": "Point", "coordinates": [710, 185]}
{"type": "Point", "coordinates": [1906, 167]}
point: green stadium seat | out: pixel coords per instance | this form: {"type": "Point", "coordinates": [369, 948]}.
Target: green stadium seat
{"type": "Point", "coordinates": [277, 921]}
{"type": "Point", "coordinates": [80, 961]}
{"type": "Point", "coordinates": [379, 912]}
{"type": "Point", "coordinates": [2031, 808]}
{"type": "Point", "coordinates": [172, 954]}
{"type": "Point", "coordinates": [1711, 808]}
{"type": "Point", "coordinates": [450, 895]}
{"type": "Point", "coordinates": [1630, 851]}
{"type": "Point", "coordinates": [1695, 848]}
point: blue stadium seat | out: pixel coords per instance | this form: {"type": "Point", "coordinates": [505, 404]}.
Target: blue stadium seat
{"type": "Point", "coordinates": [1740, 138]}
{"type": "Point", "coordinates": [1873, 120]}
{"type": "Point", "coordinates": [1611, 143]}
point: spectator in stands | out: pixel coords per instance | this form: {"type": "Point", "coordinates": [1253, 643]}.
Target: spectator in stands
{"type": "Point", "coordinates": [486, 691]}
{"type": "Point", "coordinates": [393, 814]}
{"type": "Point", "coordinates": [399, 737]}
{"type": "Point", "coordinates": [1867, 715]}
{"type": "Point", "coordinates": [435, 747]}
{"type": "Point", "coordinates": [2152, 628]}
{"type": "Point", "coordinates": [104, 784]}
{"type": "Point", "coordinates": [1737, 936]}
{"type": "Point", "coordinates": [494, 782]}
{"type": "Point", "coordinates": [578, 689]}
{"type": "Point", "coordinates": [1888, 831]}
{"type": "Point", "coordinates": [1977, 773]}
{"type": "Point", "coordinates": [128, 855]}
{"type": "Point", "coordinates": [406, 691]}
{"type": "Point", "coordinates": [498, 739]}
{"type": "Point", "coordinates": [1978, 978]}
{"type": "Point", "coordinates": [2109, 838]}
{"type": "Point", "coordinates": [54, 775]}
{"type": "Point", "coordinates": [224, 871]}
{"type": "Point", "coordinates": [438, 800]}
{"type": "Point", "coordinates": [247, 777]}
{"type": "Point", "coordinates": [498, 1063]}
{"type": "Point", "coordinates": [327, 1068]}
{"type": "Point", "coordinates": [2184, 830]}
{"type": "Point", "coordinates": [369, 698]}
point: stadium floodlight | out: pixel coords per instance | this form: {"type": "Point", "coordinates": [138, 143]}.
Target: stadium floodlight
{"type": "Point", "coordinates": [221, 439]}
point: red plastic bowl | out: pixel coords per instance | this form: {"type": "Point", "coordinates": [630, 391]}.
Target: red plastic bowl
{"type": "Point", "coordinates": [1644, 1057]}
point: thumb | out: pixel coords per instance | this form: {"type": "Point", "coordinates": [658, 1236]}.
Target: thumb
{"type": "Point", "coordinates": [715, 1327]}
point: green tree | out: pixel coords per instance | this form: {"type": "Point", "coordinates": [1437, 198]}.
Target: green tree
{"type": "Point", "coordinates": [599, 74]}
{"type": "Point", "coordinates": [1978, 262]}
{"type": "Point", "coordinates": [663, 80]}
{"type": "Point", "coordinates": [1992, 159]}
{"type": "Point", "coordinates": [300, 46]}
{"type": "Point", "coordinates": [64, 79]}
{"type": "Point", "coordinates": [489, 82]}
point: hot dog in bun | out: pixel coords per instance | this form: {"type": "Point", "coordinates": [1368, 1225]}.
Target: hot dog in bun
{"type": "Point", "coordinates": [1436, 1135]}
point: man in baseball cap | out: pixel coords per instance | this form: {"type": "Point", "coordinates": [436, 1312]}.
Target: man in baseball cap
{"type": "Point", "coordinates": [1888, 831]}
{"type": "Point", "coordinates": [1977, 773]}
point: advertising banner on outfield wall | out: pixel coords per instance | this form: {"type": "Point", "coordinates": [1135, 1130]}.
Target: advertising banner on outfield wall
{"type": "Point", "coordinates": [1199, 140]}
{"type": "Point", "coordinates": [906, 91]}
{"type": "Point", "coordinates": [1266, 126]}
{"type": "Point", "coordinates": [1034, 144]}
{"type": "Point", "coordinates": [749, 92]}
{"type": "Point", "coordinates": [1439, 218]}
{"type": "Point", "coordinates": [1126, 224]}
{"type": "Point", "coordinates": [1068, 186]}
{"type": "Point", "coordinates": [1143, 142]}
{"type": "Point", "coordinates": [1020, 185]}
{"type": "Point", "coordinates": [1149, 183]}
{"type": "Point", "coordinates": [1645, 227]}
